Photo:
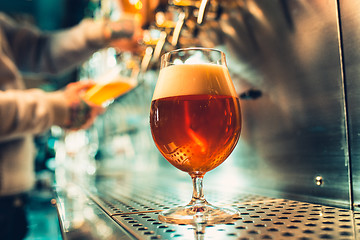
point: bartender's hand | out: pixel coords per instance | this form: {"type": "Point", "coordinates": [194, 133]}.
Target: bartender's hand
{"type": "Point", "coordinates": [81, 114]}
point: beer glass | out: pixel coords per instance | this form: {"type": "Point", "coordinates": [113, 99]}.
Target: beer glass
{"type": "Point", "coordinates": [195, 122]}
{"type": "Point", "coordinates": [115, 81]}
{"type": "Point", "coordinates": [109, 89]}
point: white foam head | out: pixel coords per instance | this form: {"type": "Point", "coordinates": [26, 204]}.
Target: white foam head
{"type": "Point", "coordinates": [194, 79]}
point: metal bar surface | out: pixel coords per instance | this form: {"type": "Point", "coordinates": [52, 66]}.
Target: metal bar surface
{"type": "Point", "coordinates": [134, 208]}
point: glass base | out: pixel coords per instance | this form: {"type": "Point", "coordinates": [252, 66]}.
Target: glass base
{"type": "Point", "coordinates": [199, 214]}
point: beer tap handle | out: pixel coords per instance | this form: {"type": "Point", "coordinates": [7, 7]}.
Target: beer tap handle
{"type": "Point", "coordinates": [159, 46]}
{"type": "Point", "coordinates": [177, 29]}
{"type": "Point", "coordinates": [146, 59]}
{"type": "Point", "coordinates": [201, 13]}
{"type": "Point", "coordinates": [162, 23]}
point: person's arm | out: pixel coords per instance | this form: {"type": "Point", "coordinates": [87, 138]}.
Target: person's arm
{"type": "Point", "coordinates": [36, 51]}
{"type": "Point", "coordinates": [34, 111]}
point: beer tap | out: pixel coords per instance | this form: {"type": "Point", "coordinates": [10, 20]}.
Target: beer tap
{"type": "Point", "coordinates": [169, 24]}
{"type": "Point", "coordinates": [201, 13]}
{"type": "Point", "coordinates": [145, 62]}
{"type": "Point", "coordinates": [193, 15]}
{"type": "Point", "coordinates": [159, 46]}
{"type": "Point", "coordinates": [155, 40]}
{"type": "Point", "coordinates": [167, 27]}
{"type": "Point", "coordinates": [162, 22]}
{"type": "Point", "coordinates": [177, 30]}
{"type": "Point", "coordinates": [186, 17]}
{"type": "Point", "coordinates": [200, 9]}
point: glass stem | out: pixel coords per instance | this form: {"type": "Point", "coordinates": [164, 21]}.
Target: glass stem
{"type": "Point", "coordinates": [198, 194]}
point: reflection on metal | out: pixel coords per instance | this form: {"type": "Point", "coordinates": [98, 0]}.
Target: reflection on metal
{"type": "Point", "coordinates": [135, 208]}
{"type": "Point", "coordinates": [296, 129]}
{"type": "Point", "coordinates": [319, 180]}
{"type": "Point", "coordinates": [350, 20]}
{"type": "Point", "coordinates": [287, 14]}
{"type": "Point", "coordinates": [81, 218]}
{"type": "Point", "coordinates": [250, 94]}
{"type": "Point", "coordinates": [287, 53]}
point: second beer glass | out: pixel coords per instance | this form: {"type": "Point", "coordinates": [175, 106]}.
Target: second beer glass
{"type": "Point", "coordinates": [195, 121]}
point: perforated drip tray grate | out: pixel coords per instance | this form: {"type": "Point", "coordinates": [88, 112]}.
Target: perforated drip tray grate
{"type": "Point", "coordinates": [136, 209]}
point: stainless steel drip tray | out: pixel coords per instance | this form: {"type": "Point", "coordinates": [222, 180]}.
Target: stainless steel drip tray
{"type": "Point", "coordinates": [135, 207]}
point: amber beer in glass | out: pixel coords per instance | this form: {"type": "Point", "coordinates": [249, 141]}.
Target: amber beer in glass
{"type": "Point", "coordinates": [195, 121]}
{"type": "Point", "coordinates": [100, 93]}
{"type": "Point", "coordinates": [112, 84]}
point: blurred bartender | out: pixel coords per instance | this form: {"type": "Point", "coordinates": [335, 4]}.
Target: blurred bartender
{"type": "Point", "coordinates": [27, 112]}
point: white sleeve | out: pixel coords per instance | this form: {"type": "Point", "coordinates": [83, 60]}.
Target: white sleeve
{"type": "Point", "coordinates": [30, 112]}
{"type": "Point", "coordinates": [45, 52]}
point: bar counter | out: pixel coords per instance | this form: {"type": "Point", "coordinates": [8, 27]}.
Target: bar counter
{"type": "Point", "coordinates": [126, 206]}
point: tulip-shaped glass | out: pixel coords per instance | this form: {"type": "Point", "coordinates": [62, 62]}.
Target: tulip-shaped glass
{"type": "Point", "coordinates": [195, 122]}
